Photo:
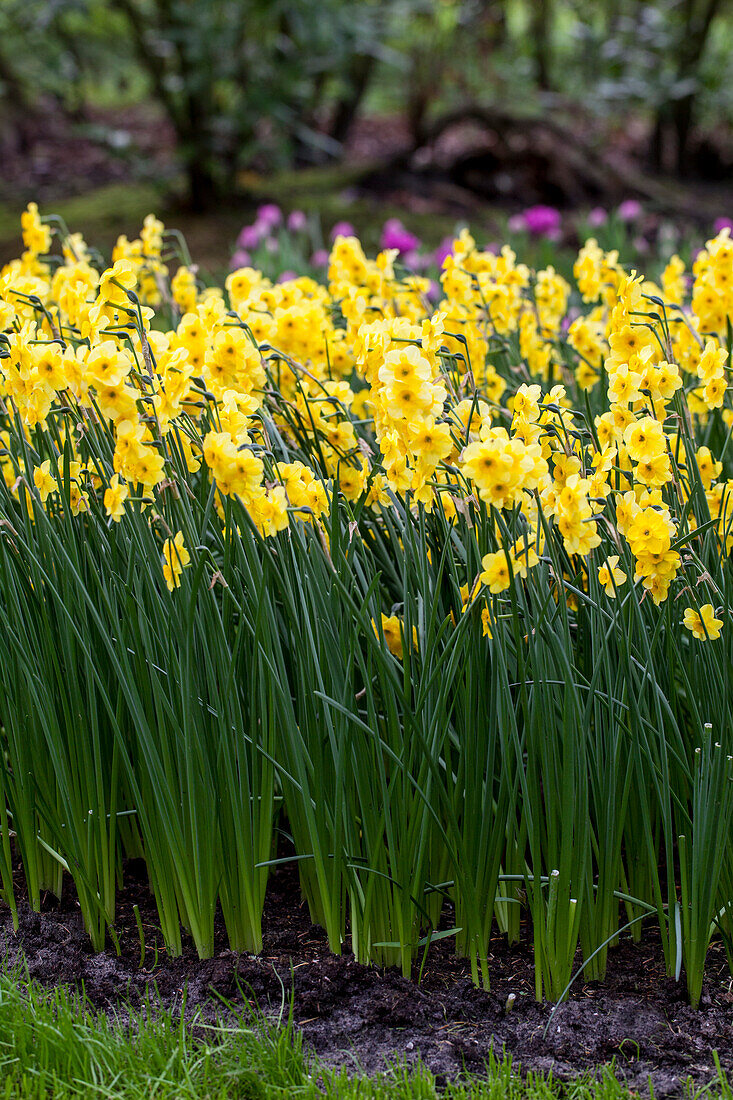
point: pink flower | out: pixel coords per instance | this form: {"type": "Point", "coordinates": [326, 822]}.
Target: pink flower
{"type": "Point", "coordinates": [269, 215]}
{"type": "Point", "coordinates": [517, 224]}
{"type": "Point", "coordinates": [342, 229]}
{"type": "Point", "coordinates": [630, 210]}
{"type": "Point", "coordinates": [250, 236]}
{"type": "Point", "coordinates": [319, 258]}
{"type": "Point", "coordinates": [297, 221]}
{"type": "Point", "coordinates": [286, 276]}
{"type": "Point", "coordinates": [722, 223]}
{"type": "Point", "coordinates": [597, 217]}
{"type": "Point", "coordinates": [241, 258]}
{"type": "Point", "coordinates": [543, 221]}
{"type": "Point", "coordinates": [394, 235]}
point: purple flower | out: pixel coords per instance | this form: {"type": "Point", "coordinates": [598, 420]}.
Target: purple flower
{"type": "Point", "coordinates": [445, 248]}
{"type": "Point", "coordinates": [342, 229]}
{"type": "Point", "coordinates": [415, 261]}
{"type": "Point", "coordinates": [297, 221]}
{"type": "Point", "coordinates": [630, 210]}
{"type": "Point", "coordinates": [269, 215]}
{"type": "Point", "coordinates": [272, 245]}
{"type": "Point", "coordinates": [319, 258]}
{"type": "Point", "coordinates": [241, 258]}
{"type": "Point", "coordinates": [250, 236]}
{"type": "Point", "coordinates": [722, 223]}
{"type": "Point", "coordinates": [286, 276]}
{"type": "Point", "coordinates": [517, 224]}
{"type": "Point", "coordinates": [543, 221]}
{"type": "Point", "coordinates": [597, 217]}
{"type": "Point", "coordinates": [434, 291]}
{"type": "Point", "coordinates": [394, 235]}
{"type": "Point", "coordinates": [569, 317]}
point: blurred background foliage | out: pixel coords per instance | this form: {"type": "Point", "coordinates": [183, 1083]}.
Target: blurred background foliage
{"type": "Point", "coordinates": [212, 97]}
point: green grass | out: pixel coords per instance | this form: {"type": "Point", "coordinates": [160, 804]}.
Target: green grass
{"type": "Point", "coordinates": [103, 208]}
{"type": "Point", "coordinates": [53, 1043]}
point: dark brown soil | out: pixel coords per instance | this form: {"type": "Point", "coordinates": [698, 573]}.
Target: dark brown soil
{"type": "Point", "coordinates": [360, 1016]}
{"type": "Point", "coordinates": [55, 157]}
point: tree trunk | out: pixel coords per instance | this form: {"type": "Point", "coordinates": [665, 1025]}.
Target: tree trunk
{"type": "Point", "coordinates": [659, 140]}
{"type": "Point", "coordinates": [542, 46]}
{"type": "Point", "coordinates": [201, 186]}
{"type": "Point", "coordinates": [347, 108]}
{"type": "Point", "coordinates": [19, 110]}
{"type": "Point", "coordinates": [682, 115]}
{"type": "Point", "coordinates": [681, 112]}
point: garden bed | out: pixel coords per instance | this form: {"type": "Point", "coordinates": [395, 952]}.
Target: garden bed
{"type": "Point", "coordinates": [456, 646]}
{"type": "Point", "coordinates": [364, 1017]}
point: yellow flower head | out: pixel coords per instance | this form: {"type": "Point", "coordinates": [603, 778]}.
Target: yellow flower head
{"type": "Point", "coordinates": [36, 236]}
{"type": "Point", "coordinates": [115, 497]}
{"type": "Point", "coordinates": [392, 631]}
{"type": "Point", "coordinates": [495, 571]}
{"type": "Point", "coordinates": [610, 576]}
{"type": "Point", "coordinates": [44, 481]}
{"type": "Point", "coordinates": [703, 624]}
{"type": "Point", "coordinates": [175, 559]}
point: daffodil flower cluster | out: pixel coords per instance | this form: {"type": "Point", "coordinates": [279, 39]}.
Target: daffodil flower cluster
{"type": "Point", "coordinates": [598, 429]}
{"type": "Point", "coordinates": [439, 576]}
